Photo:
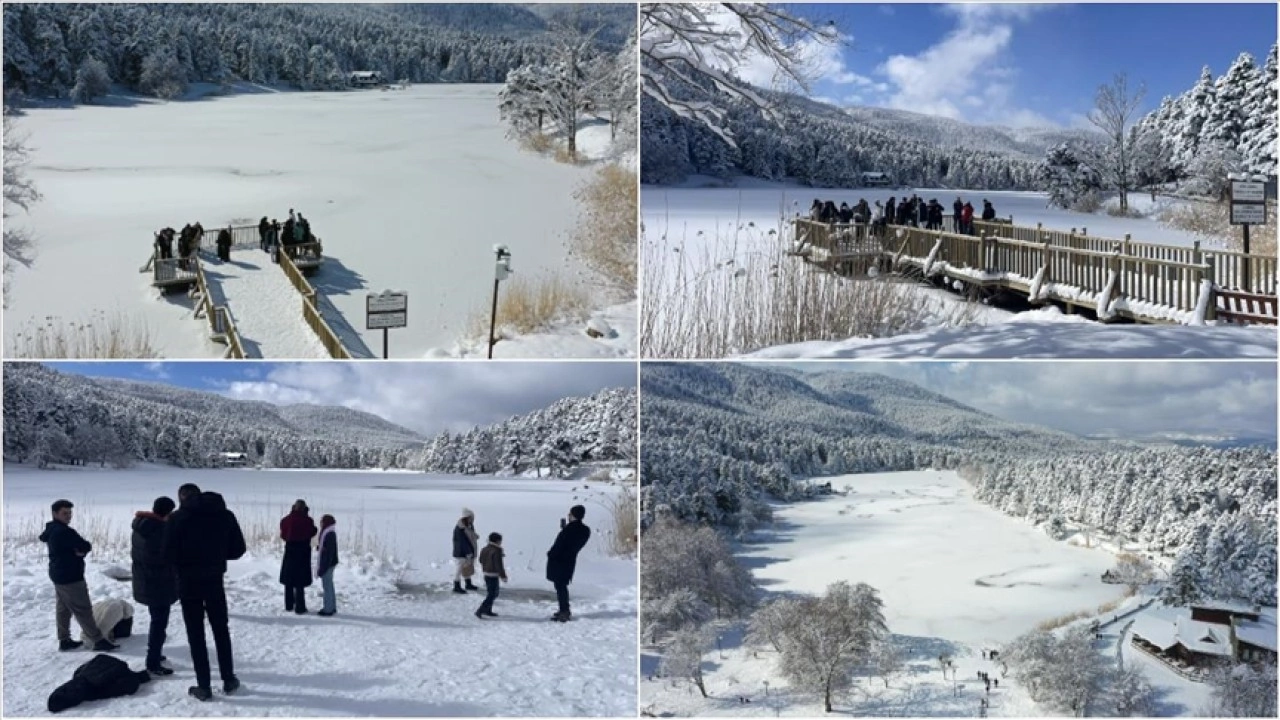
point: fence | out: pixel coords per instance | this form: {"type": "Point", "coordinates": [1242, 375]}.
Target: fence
{"type": "Point", "coordinates": [311, 313]}
{"type": "Point", "coordinates": [221, 325]}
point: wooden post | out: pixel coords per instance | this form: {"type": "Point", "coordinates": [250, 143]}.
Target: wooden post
{"type": "Point", "coordinates": [1208, 273]}
{"type": "Point", "coordinates": [1084, 231]}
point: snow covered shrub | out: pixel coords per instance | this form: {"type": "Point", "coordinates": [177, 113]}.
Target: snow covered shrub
{"type": "Point", "coordinates": [682, 657]}
{"type": "Point", "coordinates": [531, 303]}
{"type": "Point", "coordinates": [672, 612]}
{"type": "Point", "coordinates": [102, 336]}
{"type": "Point", "coordinates": [1068, 674]}
{"type": "Point", "coordinates": [698, 559]}
{"type": "Point", "coordinates": [1243, 690]}
{"type": "Point", "coordinates": [605, 236]}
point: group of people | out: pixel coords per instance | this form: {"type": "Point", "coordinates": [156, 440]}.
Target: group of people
{"type": "Point", "coordinates": [180, 553]}
{"type": "Point", "coordinates": [912, 211]}
{"type": "Point", "coordinates": [273, 235]}
{"type": "Point", "coordinates": [562, 560]}
{"type": "Point", "coordinates": [188, 243]}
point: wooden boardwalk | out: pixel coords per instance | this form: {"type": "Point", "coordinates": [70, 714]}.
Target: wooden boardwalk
{"type": "Point", "coordinates": [1143, 282]}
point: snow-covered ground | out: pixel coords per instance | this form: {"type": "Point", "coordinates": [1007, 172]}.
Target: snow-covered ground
{"type": "Point", "coordinates": [695, 233]}
{"type": "Point", "coordinates": [566, 339]}
{"type": "Point", "coordinates": [401, 644]}
{"type": "Point", "coordinates": [409, 190]}
{"type": "Point", "coordinates": [956, 577]}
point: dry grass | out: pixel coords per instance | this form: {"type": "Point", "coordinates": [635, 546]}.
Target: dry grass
{"type": "Point", "coordinates": [538, 142]}
{"type": "Point", "coordinates": [624, 509]}
{"type": "Point", "coordinates": [1055, 623]}
{"type": "Point", "coordinates": [102, 336]}
{"type": "Point", "coordinates": [528, 304]}
{"type": "Point", "coordinates": [1212, 221]}
{"type": "Point", "coordinates": [605, 236]}
{"type": "Point", "coordinates": [711, 298]}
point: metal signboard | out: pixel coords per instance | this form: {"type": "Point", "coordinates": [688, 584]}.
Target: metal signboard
{"type": "Point", "coordinates": [1248, 213]}
{"type": "Point", "coordinates": [387, 302]}
{"type": "Point", "coordinates": [1247, 191]}
{"type": "Point", "coordinates": [386, 320]}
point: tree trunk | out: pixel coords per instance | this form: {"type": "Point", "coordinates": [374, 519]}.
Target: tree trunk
{"type": "Point", "coordinates": [701, 687]}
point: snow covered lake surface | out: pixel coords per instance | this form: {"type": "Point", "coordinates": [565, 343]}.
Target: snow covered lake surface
{"type": "Point", "coordinates": [695, 237]}
{"type": "Point", "coordinates": [956, 577]}
{"type": "Point", "coordinates": [401, 644]}
{"type": "Point", "coordinates": [409, 190]}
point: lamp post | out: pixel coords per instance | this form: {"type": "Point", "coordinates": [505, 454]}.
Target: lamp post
{"type": "Point", "coordinates": [501, 271]}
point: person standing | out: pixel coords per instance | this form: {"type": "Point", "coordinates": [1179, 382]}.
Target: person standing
{"type": "Point", "coordinates": [465, 540]}
{"type": "Point", "coordinates": [326, 561]}
{"type": "Point", "coordinates": [296, 529]}
{"type": "Point", "coordinates": [494, 570]}
{"type": "Point", "coordinates": [988, 211]}
{"type": "Point", "coordinates": [199, 538]}
{"type": "Point", "coordinates": [154, 582]}
{"type": "Point", "coordinates": [562, 558]}
{"type": "Point", "coordinates": [66, 569]}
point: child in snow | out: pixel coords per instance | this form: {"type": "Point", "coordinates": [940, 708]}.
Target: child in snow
{"type": "Point", "coordinates": [491, 565]}
{"type": "Point", "coordinates": [325, 562]}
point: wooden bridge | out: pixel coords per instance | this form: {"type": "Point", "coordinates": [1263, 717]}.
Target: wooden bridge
{"type": "Point", "coordinates": [1143, 282]}
{"type": "Point", "coordinates": [296, 260]}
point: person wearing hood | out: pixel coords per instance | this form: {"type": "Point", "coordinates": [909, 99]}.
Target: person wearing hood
{"type": "Point", "coordinates": [296, 530]}
{"type": "Point", "coordinates": [326, 561]}
{"type": "Point", "coordinates": [154, 582]}
{"type": "Point", "coordinates": [988, 211]}
{"type": "Point", "coordinates": [465, 542]}
{"type": "Point", "coordinates": [199, 538]}
{"type": "Point", "coordinates": [562, 558]}
{"type": "Point", "coordinates": [66, 569]}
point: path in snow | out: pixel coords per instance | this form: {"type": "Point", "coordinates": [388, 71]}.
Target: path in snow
{"type": "Point", "coordinates": [265, 306]}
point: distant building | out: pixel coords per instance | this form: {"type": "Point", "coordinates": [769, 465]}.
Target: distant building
{"type": "Point", "coordinates": [364, 78]}
{"type": "Point", "coordinates": [1194, 636]}
{"type": "Point", "coordinates": [231, 459]}
{"type": "Point", "coordinates": [875, 179]}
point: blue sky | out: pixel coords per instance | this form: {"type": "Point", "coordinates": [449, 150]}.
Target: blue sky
{"type": "Point", "coordinates": [1027, 64]}
{"type": "Point", "coordinates": [427, 397]}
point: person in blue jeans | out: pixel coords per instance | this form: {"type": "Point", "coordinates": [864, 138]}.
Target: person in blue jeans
{"type": "Point", "coordinates": [326, 562]}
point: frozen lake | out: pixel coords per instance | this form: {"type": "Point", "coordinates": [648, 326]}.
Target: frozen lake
{"type": "Point", "coordinates": [409, 190]}
{"type": "Point", "coordinates": [946, 565]}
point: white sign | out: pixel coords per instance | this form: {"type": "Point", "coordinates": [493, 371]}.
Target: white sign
{"type": "Point", "coordinates": [387, 302]}
{"type": "Point", "coordinates": [383, 320]}
{"type": "Point", "coordinates": [1248, 214]}
{"type": "Point", "coordinates": [1243, 191]}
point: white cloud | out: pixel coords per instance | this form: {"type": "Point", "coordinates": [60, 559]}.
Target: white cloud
{"type": "Point", "coordinates": [158, 369]}
{"type": "Point", "coordinates": [962, 76]}
{"type": "Point", "coordinates": [435, 396]}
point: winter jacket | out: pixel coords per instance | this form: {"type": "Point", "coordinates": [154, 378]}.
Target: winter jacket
{"type": "Point", "coordinates": [296, 529]}
{"type": "Point", "coordinates": [114, 619]}
{"type": "Point", "coordinates": [154, 579]}
{"type": "Point", "coordinates": [66, 552]}
{"type": "Point", "coordinates": [200, 537]}
{"type": "Point", "coordinates": [491, 561]}
{"type": "Point", "coordinates": [328, 556]}
{"type": "Point", "coordinates": [958, 207]}
{"type": "Point", "coordinates": [465, 540]}
{"type": "Point", "coordinates": [989, 212]}
{"type": "Point", "coordinates": [562, 558]}
{"type": "Point", "coordinates": [101, 678]}
{"type": "Point", "coordinates": [297, 526]}
{"type": "Point", "coordinates": [966, 215]}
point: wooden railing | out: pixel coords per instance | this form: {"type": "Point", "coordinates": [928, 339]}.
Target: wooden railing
{"type": "Point", "coordinates": [169, 271]}
{"type": "Point", "coordinates": [221, 325]}
{"type": "Point", "coordinates": [311, 311]}
{"type": "Point", "coordinates": [241, 236]}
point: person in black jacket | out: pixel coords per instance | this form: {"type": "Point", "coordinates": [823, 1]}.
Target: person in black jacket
{"type": "Point", "coordinates": [562, 558]}
{"type": "Point", "coordinates": [263, 228]}
{"type": "Point", "coordinates": [101, 678]}
{"type": "Point", "coordinates": [154, 582]}
{"type": "Point", "coordinates": [890, 212]}
{"type": "Point", "coordinates": [66, 569]}
{"type": "Point", "coordinates": [199, 538]}
{"type": "Point", "coordinates": [988, 211]}
{"type": "Point", "coordinates": [957, 208]}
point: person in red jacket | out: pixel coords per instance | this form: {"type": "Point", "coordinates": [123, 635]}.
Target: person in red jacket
{"type": "Point", "coordinates": [296, 529]}
{"type": "Point", "coordinates": [966, 219]}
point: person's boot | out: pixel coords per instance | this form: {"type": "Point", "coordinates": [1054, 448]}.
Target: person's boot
{"type": "Point", "coordinates": [470, 585]}
{"type": "Point", "coordinates": [479, 614]}
{"type": "Point", "coordinates": [203, 694]}
{"type": "Point", "coordinates": [232, 685]}
{"type": "Point", "coordinates": [457, 587]}
{"type": "Point", "coordinates": [65, 645]}
{"type": "Point", "coordinates": [105, 645]}
{"type": "Point", "coordinates": [562, 616]}
{"type": "Point", "coordinates": [159, 669]}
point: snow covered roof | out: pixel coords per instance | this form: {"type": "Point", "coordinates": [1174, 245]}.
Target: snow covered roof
{"type": "Point", "coordinates": [1166, 627]}
{"type": "Point", "coordinates": [873, 174]}
{"type": "Point", "coordinates": [1235, 607]}
{"type": "Point", "coordinates": [364, 73]}
{"type": "Point", "coordinates": [1261, 633]}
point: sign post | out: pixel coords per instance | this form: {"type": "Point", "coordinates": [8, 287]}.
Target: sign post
{"type": "Point", "coordinates": [386, 310]}
{"type": "Point", "coordinates": [1248, 201]}
{"type": "Point", "coordinates": [501, 271]}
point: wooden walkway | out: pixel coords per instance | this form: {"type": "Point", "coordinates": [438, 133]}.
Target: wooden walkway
{"type": "Point", "coordinates": [296, 260]}
{"type": "Point", "coordinates": [1116, 279]}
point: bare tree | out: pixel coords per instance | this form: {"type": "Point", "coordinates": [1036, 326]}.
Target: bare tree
{"type": "Point", "coordinates": [1114, 111]}
{"type": "Point", "coordinates": [19, 192]}
{"type": "Point", "coordinates": [698, 45]}
{"type": "Point", "coordinates": [682, 657]}
{"type": "Point", "coordinates": [832, 635]}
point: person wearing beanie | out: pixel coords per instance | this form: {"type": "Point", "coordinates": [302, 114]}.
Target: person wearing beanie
{"type": "Point", "coordinates": [155, 582]}
{"type": "Point", "coordinates": [465, 544]}
{"type": "Point", "coordinates": [296, 530]}
{"type": "Point", "coordinates": [562, 558]}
